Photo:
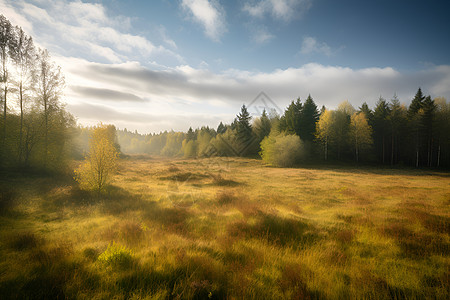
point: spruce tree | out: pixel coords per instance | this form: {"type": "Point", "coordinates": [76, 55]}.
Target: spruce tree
{"type": "Point", "coordinates": [416, 104]}
{"type": "Point", "coordinates": [221, 128]}
{"type": "Point", "coordinates": [367, 112]}
{"type": "Point", "coordinates": [244, 134]}
{"type": "Point", "coordinates": [427, 119]}
{"type": "Point", "coordinates": [308, 119]}
{"type": "Point", "coordinates": [190, 136]}
{"type": "Point", "coordinates": [381, 127]}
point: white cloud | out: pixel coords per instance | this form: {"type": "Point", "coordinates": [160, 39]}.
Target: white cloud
{"type": "Point", "coordinates": [284, 10]}
{"type": "Point", "coordinates": [129, 89]}
{"type": "Point", "coordinates": [262, 35]}
{"type": "Point", "coordinates": [310, 46]}
{"type": "Point", "coordinates": [85, 30]}
{"type": "Point", "coordinates": [163, 32]}
{"type": "Point", "coordinates": [210, 14]}
{"type": "Point", "coordinates": [14, 17]}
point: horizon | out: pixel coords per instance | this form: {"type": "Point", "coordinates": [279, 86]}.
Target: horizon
{"type": "Point", "coordinates": [163, 66]}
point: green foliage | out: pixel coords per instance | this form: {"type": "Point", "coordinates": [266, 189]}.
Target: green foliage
{"type": "Point", "coordinates": [282, 150]}
{"type": "Point", "coordinates": [116, 256]}
{"type": "Point", "coordinates": [262, 126]}
{"type": "Point", "coordinates": [308, 119]}
{"type": "Point", "coordinates": [244, 134]}
{"type": "Point", "coordinates": [189, 148]}
{"type": "Point", "coordinates": [173, 144]}
{"type": "Point", "coordinates": [360, 132]}
{"type": "Point", "coordinates": [96, 172]}
{"type": "Point", "coordinates": [290, 121]}
{"type": "Point", "coordinates": [36, 131]}
{"type": "Point", "coordinates": [416, 104]}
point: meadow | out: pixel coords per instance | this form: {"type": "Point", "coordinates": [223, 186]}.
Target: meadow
{"type": "Point", "coordinates": [227, 228]}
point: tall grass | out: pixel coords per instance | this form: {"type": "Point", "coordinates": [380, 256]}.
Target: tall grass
{"type": "Point", "coordinates": [252, 232]}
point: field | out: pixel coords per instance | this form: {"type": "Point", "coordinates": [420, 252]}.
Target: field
{"type": "Point", "coordinates": [227, 228]}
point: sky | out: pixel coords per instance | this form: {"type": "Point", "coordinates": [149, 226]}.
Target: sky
{"type": "Point", "coordinates": [170, 65]}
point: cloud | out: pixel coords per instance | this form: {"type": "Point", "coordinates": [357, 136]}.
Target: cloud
{"type": "Point", "coordinates": [262, 35]}
{"type": "Point", "coordinates": [284, 10]}
{"type": "Point", "coordinates": [310, 46]}
{"type": "Point", "coordinates": [185, 95]}
{"type": "Point", "coordinates": [91, 114]}
{"type": "Point", "coordinates": [208, 13]}
{"type": "Point", "coordinates": [163, 32]}
{"type": "Point", "coordinates": [85, 30]}
{"type": "Point", "coordinates": [104, 94]}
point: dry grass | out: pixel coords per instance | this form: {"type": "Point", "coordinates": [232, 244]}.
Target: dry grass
{"type": "Point", "coordinates": [228, 228]}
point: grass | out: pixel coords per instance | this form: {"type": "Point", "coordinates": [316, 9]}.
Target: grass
{"type": "Point", "coordinates": [227, 228]}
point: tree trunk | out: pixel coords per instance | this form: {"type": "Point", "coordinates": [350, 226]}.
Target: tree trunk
{"type": "Point", "coordinates": [417, 157]}
{"type": "Point", "coordinates": [430, 151]}
{"type": "Point", "coordinates": [46, 131]}
{"type": "Point", "coordinates": [439, 154]}
{"type": "Point", "coordinates": [392, 150]}
{"type": "Point", "coordinates": [21, 123]}
{"type": "Point", "coordinates": [5, 89]}
{"type": "Point", "coordinates": [4, 114]}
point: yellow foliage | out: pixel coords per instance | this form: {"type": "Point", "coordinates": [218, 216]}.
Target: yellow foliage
{"type": "Point", "coordinates": [96, 171]}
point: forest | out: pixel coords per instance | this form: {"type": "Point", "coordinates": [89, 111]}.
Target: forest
{"type": "Point", "coordinates": [382, 135]}
{"type": "Point", "coordinates": [37, 131]}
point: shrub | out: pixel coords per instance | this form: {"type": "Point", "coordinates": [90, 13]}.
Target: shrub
{"type": "Point", "coordinates": [282, 150]}
{"type": "Point", "coordinates": [116, 256]}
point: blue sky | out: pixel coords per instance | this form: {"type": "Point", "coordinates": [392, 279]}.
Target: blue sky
{"type": "Point", "coordinates": [161, 65]}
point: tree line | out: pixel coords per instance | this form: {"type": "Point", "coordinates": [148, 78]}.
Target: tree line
{"type": "Point", "coordinates": [389, 134]}
{"type": "Point", "coordinates": [35, 128]}
{"type": "Point", "coordinates": [37, 132]}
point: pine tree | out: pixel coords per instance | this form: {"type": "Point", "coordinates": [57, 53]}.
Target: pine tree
{"type": "Point", "coordinates": [414, 111]}
{"type": "Point", "coordinates": [396, 120]}
{"type": "Point", "coordinates": [308, 119]}
{"type": "Point", "coordinates": [244, 134]}
{"type": "Point", "coordinates": [262, 126]}
{"type": "Point", "coordinates": [290, 122]}
{"type": "Point", "coordinates": [381, 127]}
{"type": "Point", "coordinates": [367, 112]}
{"type": "Point", "coordinates": [190, 136]}
{"type": "Point", "coordinates": [221, 128]}
{"type": "Point", "coordinates": [416, 104]}
{"type": "Point", "coordinates": [428, 116]}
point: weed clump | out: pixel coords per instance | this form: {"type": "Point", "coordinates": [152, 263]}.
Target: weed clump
{"type": "Point", "coordinates": [219, 180]}
{"type": "Point", "coordinates": [225, 197]}
{"type": "Point", "coordinates": [24, 240]}
{"type": "Point", "coordinates": [116, 256]}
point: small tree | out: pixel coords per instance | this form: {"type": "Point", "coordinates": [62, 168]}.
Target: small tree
{"type": "Point", "coordinates": [324, 129]}
{"type": "Point", "coordinates": [100, 164]}
{"type": "Point", "coordinates": [360, 132]}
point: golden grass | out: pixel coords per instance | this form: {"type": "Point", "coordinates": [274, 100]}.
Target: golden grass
{"type": "Point", "coordinates": [228, 228]}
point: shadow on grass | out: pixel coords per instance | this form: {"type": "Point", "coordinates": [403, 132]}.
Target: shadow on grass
{"type": "Point", "coordinates": [277, 230]}
{"type": "Point", "coordinates": [172, 219]}
{"type": "Point", "coordinates": [186, 176]}
{"type": "Point", "coordinates": [47, 271]}
{"type": "Point", "coordinates": [416, 245]}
